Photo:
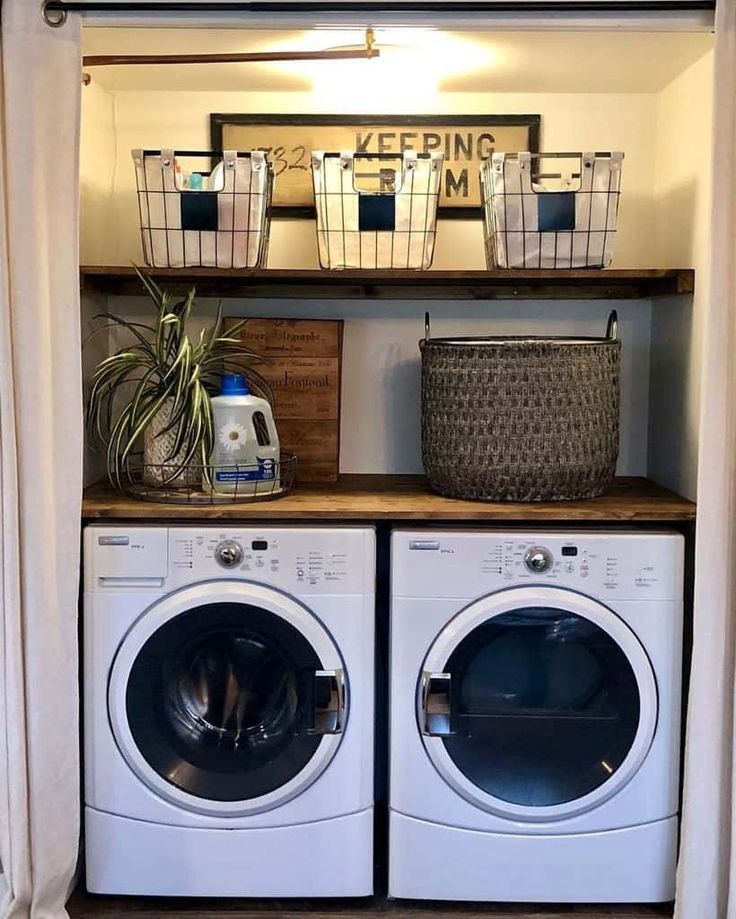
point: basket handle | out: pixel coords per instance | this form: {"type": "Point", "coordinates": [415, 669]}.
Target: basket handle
{"type": "Point", "coordinates": [583, 176]}
{"type": "Point", "coordinates": [408, 163]}
{"type": "Point", "coordinates": [612, 327]}
{"type": "Point", "coordinates": [426, 326]}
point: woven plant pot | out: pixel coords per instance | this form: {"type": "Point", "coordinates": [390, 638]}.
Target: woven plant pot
{"type": "Point", "coordinates": [159, 465]}
{"type": "Point", "coordinates": [521, 419]}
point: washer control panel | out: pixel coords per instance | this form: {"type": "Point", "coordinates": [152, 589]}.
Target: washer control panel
{"type": "Point", "coordinates": [305, 560]}
{"type": "Point", "coordinates": [471, 564]}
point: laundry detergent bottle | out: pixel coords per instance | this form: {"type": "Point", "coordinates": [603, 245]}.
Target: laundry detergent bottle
{"type": "Point", "coordinates": [245, 454]}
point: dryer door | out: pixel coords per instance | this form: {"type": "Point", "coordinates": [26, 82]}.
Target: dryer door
{"type": "Point", "coordinates": [228, 698]}
{"type": "Point", "coordinates": [537, 703]}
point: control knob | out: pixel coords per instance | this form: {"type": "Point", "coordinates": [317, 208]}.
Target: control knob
{"type": "Point", "coordinates": [538, 559]}
{"type": "Point", "coordinates": [229, 553]}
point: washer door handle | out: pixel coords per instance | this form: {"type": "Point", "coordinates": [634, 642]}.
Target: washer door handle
{"type": "Point", "coordinates": [436, 689]}
{"type": "Point", "coordinates": [329, 702]}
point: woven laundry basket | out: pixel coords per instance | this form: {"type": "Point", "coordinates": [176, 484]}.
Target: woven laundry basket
{"type": "Point", "coordinates": [520, 419]}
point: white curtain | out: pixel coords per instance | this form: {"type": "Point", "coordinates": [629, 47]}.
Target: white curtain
{"type": "Point", "coordinates": [707, 869]}
{"type": "Point", "coordinates": [40, 459]}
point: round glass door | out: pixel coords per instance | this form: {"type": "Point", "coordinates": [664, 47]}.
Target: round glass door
{"type": "Point", "coordinates": [225, 705]}
{"type": "Point", "coordinates": [541, 706]}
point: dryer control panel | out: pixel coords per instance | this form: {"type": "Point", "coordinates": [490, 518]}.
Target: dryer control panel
{"type": "Point", "coordinates": [622, 565]}
{"type": "Point", "coordinates": [304, 560]}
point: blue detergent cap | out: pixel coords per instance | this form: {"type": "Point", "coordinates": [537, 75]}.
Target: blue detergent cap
{"type": "Point", "coordinates": [234, 384]}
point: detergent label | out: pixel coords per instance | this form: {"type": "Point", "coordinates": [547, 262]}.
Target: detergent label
{"type": "Point", "coordinates": [263, 470]}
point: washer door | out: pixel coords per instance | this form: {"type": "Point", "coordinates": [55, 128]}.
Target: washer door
{"type": "Point", "coordinates": [537, 703]}
{"type": "Point", "coordinates": [228, 698]}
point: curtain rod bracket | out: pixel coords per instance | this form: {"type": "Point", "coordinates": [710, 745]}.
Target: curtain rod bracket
{"type": "Point", "coordinates": [53, 14]}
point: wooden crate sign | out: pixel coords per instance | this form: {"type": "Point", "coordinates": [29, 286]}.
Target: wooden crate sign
{"type": "Point", "coordinates": [302, 363]}
{"type": "Point", "coordinates": [294, 337]}
{"type": "Point", "coordinates": [304, 384]}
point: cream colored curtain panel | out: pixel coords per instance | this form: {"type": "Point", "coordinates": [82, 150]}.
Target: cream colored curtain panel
{"type": "Point", "coordinates": [707, 869]}
{"type": "Point", "coordinates": [40, 460]}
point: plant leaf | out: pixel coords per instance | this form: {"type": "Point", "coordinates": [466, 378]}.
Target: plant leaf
{"type": "Point", "coordinates": [165, 367]}
{"type": "Point", "coordinates": [154, 291]}
{"type": "Point", "coordinates": [132, 327]}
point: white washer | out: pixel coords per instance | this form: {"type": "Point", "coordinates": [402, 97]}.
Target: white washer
{"type": "Point", "coordinates": [229, 694]}
{"type": "Point", "coordinates": [535, 715]}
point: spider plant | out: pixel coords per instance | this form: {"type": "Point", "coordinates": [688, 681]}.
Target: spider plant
{"type": "Point", "coordinates": [157, 389]}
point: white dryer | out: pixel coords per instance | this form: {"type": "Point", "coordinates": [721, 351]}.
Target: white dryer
{"type": "Point", "coordinates": [229, 694]}
{"type": "Point", "coordinates": [535, 715]}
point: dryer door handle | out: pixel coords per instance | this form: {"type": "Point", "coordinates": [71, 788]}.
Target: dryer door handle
{"type": "Point", "coordinates": [329, 702]}
{"type": "Point", "coordinates": [435, 714]}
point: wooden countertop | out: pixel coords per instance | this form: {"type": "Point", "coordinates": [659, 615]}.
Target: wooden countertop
{"type": "Point", "coordinates": [395, 498]}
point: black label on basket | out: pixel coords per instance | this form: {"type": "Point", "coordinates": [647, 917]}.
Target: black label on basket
{"type": "Point", "coordinates": [377, 212]}
{"type": "Point", "coordinates": [198, 210]}
{"type": "Point", "coordinates": [556, 211]}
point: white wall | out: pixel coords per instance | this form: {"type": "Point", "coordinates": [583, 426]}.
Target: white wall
{"type": "Point", "coordinates": [683, 190]}
{"type": "Point", "coordinates": [662, 223]}
{"type": "Point", "coordinates": [381, 366]}
{"type": "Point", "coordinates": [576, 121]}
{"type": "Point", "coordinates": [95, 348]}
{"type": "Point", "coordinates": [98, 154]}
{"type": "Point", "coordinates": [97, 169]}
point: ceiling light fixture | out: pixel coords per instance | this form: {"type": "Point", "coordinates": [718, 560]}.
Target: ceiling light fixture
{"type": "Point", "coordinates": [414, 63]}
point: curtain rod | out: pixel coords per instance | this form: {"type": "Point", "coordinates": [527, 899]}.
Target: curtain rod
{"type": "Point", "coordinates": [335, 54]}
{"type": "Point", "coordinates": [55, 11]}
{"type": "Point", "coordinates": [105, 60]}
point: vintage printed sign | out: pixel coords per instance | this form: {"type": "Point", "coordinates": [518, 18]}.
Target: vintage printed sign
{"type": "Point", "coordinates": [289, 140]}
{"type": "Point", "coordinates": [302, 363]}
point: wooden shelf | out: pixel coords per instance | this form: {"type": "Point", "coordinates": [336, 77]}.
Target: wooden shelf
{"type": "Point", "coordinates": [396, 498]}
{"type": "Point", "coordinates": [564, 284]}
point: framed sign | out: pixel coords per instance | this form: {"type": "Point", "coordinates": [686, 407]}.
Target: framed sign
{"type": "Point", "coordinates": [289, 139]}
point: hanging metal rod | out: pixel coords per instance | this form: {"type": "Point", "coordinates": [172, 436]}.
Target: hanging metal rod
{"type": "Point", "coordinates": [105, 60]}
{"type": "Point", "coordinates": [334, 54]}
{"type": "Point", "coordinates": [56, 9]}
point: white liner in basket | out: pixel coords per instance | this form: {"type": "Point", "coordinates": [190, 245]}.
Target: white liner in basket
{"type": "Point", "coordinates": [567, 223]}
{"type": "Point", "coordinates": [406, 239]}
{"type": "Point", "coordinates": [242, 184]}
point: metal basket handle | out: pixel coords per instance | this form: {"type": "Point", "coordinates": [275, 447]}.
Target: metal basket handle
{"type": "Point", "coordinates": [582, 176]}
{"type": "Point", "coordinates": [612, 327]}
{"type": "Point", "coordinates": [408, 161]}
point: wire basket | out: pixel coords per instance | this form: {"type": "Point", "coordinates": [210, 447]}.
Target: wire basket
{"type": "Point", "coordinates": [224, 223]}
{"type": "Point", "coordinates": [162, 483]}
{"type": "Point", "coordinates": [534, 218]}
{"type": "Point", "coordinates": [376, 210]}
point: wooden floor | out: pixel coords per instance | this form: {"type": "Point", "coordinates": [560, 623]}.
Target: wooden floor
{"type": "Point", "coordinates": [84, 905]}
